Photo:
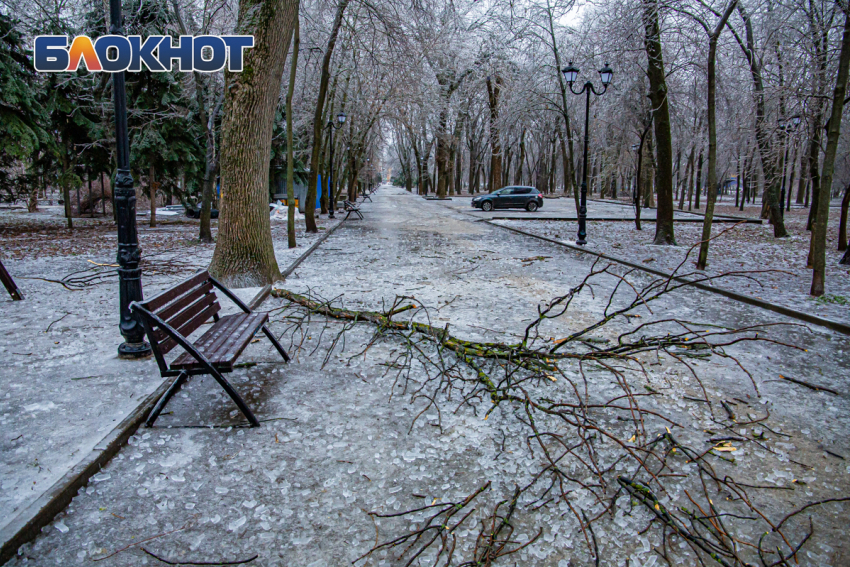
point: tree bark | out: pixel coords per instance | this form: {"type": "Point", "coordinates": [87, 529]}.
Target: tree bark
{"type": "Point", "coordinates": [210, 165]}
{"type": "Point", "coordinates": [32, 202]}
{"type": "Point", "coordinates": [66, 183]}
{"type": "Point", "coordinates": [842, 225]}
{"type": "Point", "coordinates": [833, 131]}
{"type": "Point", "coordinates": [699, 179]}
{"type": "Point", "coordinates": [712, 137]}
{"type": "Point", "coordinates": [521, 158]}
{"type": "Point", "coordinates": [290, 175]}
{"type": "Point", "coordinates": [152, 193]}
{"type": "Point", "coordinates": [664, 234]}
{"type": "Point", "coordinates": [689, 166]}
{"type": "Point", "coordinates": [244, 254]}
{"type": "Point", "coordinates": [771, 195]}
{"type": "Point", "coordinates": [210, 156]}
{"type": "Point", "coordinates": [318, 124]}
{"type": "Point", "coordinates": [494, 88]}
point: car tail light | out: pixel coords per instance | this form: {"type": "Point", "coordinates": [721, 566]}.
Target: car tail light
{"type": "Point", "coordinates": [540, 195]}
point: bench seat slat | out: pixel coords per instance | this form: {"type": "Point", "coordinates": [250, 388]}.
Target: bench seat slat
{"type": "Point", "coordinates": [239, 332]}
{"type": "Point", "coordinates": [224, 342]}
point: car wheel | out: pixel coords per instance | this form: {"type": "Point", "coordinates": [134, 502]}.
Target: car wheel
{"type": "Point", "coordinates": [487, 206]}
{"type": "Point", "coordinates": [531, 206]}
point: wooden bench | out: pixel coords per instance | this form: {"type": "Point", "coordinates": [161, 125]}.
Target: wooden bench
{"type": "Point", "coordinates": [170, 317]}
{"type": "Point", "coordinates": [349, 208]}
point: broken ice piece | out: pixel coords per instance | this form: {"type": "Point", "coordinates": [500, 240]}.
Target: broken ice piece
{"type": "Point", "coordinates": [60, 525]}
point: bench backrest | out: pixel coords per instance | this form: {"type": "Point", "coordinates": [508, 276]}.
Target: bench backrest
{"type": "Point", "coordinates": [184, 307]}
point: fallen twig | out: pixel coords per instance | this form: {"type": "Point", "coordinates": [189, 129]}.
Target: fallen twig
{"type": "Point", "coordinates": [814, 387]}
{"type": "Point", "coordinates": [166, 561]}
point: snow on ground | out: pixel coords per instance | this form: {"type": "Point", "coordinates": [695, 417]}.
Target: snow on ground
{"type": "Point", "coordinates": [341, 440]}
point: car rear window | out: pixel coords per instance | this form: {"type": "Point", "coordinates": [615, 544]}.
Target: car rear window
{"type": "Point", "coordinates": [522, 190]}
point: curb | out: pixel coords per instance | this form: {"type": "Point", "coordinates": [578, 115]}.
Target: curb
{"type": "Point", "coordinates": [30, 521]}
{"type": "Point", "coordinates": [285, 274]}
{"type": "Point", "coordinates": [676, 210]}
{"type": "Point", "coordinates": [620, 219]}
{"type": "Point", "coordinates": [788, 312]}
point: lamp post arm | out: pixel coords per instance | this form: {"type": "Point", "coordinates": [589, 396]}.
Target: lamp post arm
{"type": "Point", "coordinates": [583, 88]}
{"type": "Point", "coordinates": [600, 93]}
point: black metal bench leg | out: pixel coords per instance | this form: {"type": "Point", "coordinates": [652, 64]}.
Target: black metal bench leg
{"type": "Point", "coordinates": [160, 404]}
{"type": "Point", "coordinates": [237, 399]}
{"type": "Point", "coordinates": [276, 344]}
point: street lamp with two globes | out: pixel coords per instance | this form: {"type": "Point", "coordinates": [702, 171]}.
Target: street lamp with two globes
{"type": "Point", "coordinates": [571, 74]}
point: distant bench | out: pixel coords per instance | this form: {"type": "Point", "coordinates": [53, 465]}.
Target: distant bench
{"type": "Point", "coordinates": [350, 208]}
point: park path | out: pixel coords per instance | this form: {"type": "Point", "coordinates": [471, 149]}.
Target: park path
{"type": "Point", "coordinates": [335, 444]}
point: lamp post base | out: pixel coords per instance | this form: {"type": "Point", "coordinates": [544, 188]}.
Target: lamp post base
{"type": "Point", "coordinates": [132, 351]}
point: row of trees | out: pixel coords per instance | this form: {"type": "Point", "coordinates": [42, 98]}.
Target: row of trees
{"type": "Point", "coordinates": [710, 93]}
{"type": "Point", "coordinates": [460, 96]}
{"type": "Point", "coordinates": [56, 130]}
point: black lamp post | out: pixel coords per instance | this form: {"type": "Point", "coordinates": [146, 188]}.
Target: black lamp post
{"type": "Point", "coordinates": [786, 127]}
{"type": "Point", "coordinates": [571, 74]}
{"type": "Point", "coordinates": [129, 253]}
{"type": "Point", "coordinates": [331, 127]}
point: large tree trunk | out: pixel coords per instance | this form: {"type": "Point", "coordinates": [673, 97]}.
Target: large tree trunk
{"type": "Point", "coordinates": [493, 90]}
{"type": "Point", "coordinates": [441, 155]}
{"type": "Point", "coordinates": [210, 156]}
{"type": "Point", "coordinates": [152, 193]}
{"type": "Point", "coordinates": [244, 254]}
{"type": "Point", "coordinates": [833, 131]}
{"type": "Point", "coordinates": [521, 159]}
{"type": "Point", "coordinates": [712, 138]}
{"type": "Point", "coordinates": [67, 168]}
{"type": "Point", "coordinates": [699, 178]}
{"type": "Point", "coordinates": [763, 132]}
{"type": "Point", "coordinates": [290, 174]}
{"type": "Point", "coordinates": [32, 202]}
{"type": "Point", "coordinates": [689, 175]}
{"type": "Point", "coordinates": [663, 140]}
{"type": "Point", "coordinates": [318, 124]}
{"type": "Point", "coordinates": [842, 225]}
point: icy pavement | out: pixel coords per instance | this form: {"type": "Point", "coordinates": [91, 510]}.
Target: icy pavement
{"type": "Point", "coordinates": [63, 387]}
{"type": "Point", "coordinates": [343, 440]}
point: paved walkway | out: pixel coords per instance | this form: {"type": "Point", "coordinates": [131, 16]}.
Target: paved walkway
{"type": "Point", "coordinates": [335, 443]}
